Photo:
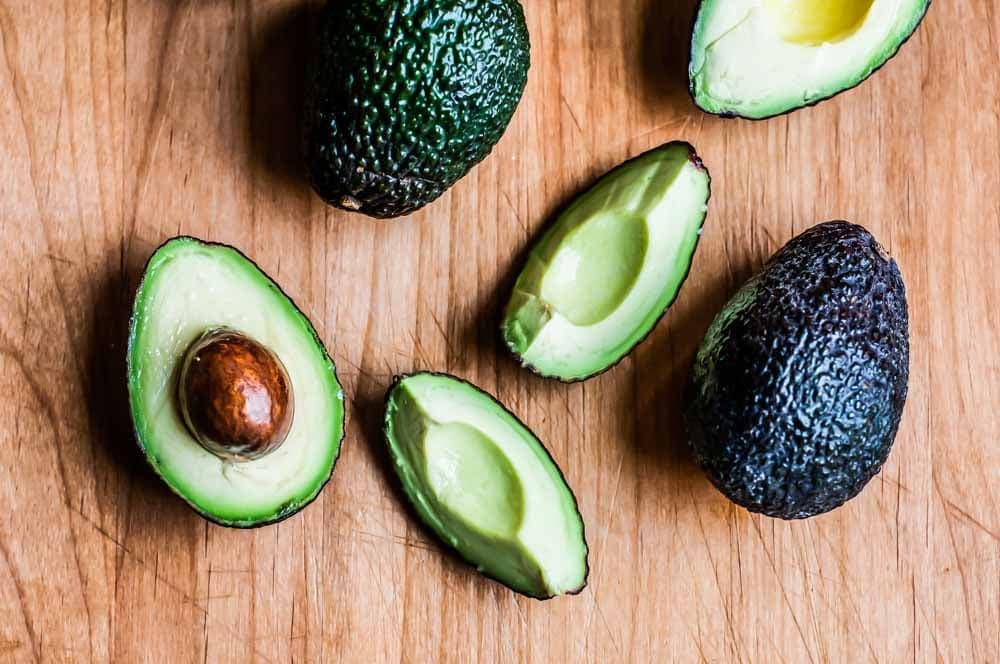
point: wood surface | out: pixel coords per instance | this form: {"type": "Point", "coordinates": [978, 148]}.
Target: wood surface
{"type": "Point", "coordinates": [125, 122]}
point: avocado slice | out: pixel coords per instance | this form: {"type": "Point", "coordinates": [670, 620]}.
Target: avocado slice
{"type": "Point", "coordinates": [798, 387]}
{"type": "Point", "coordinates": [404, 98]}
{"type": "Point", "coordinates": [485, 485]}
{"type": "Point", "coordinates": [760, 58]}
{"type": "Point", "coordinates": [606, 271]}
{"type": "Point", "coordinates": [196, 297]}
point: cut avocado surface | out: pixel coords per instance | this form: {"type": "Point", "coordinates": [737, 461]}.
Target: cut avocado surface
{"type": "Point", "coordinates": [760, 58]}
{"type": "Point", "coordinates": [485, 484]}
{"type": "Point", "coordinates": [600, 278]}
{"type": "Point", "coordinates": [190, 289]}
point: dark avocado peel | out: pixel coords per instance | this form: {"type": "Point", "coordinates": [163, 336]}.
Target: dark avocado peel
{"type": "Point", "coordinates": [758, 59]}
{"type": "Point", "coordinates": [797, 389]}
{"type": "Point", "coordinates": [252, 435]}
{"type": "Point", "coordinates": [403, 99]}
{"type": "Point", "coordinates": [485, 485]}
{"type": "Point", "coordinates": [600, 278]}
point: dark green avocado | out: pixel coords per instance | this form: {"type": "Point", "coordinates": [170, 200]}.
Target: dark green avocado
{"type": "Point", "coordinates": [235, 402]}
{"type": "Point", "coordinates": [485, 485]}
{"type": "Point", "coordinates": [403, 97]}
{"type": "Point", "coordinates": [797, 389]}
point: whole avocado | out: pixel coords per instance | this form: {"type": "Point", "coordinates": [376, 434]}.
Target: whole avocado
{"type": "Point", "coordinates": [797, 389]}
{"type": "Point", "coordinates": [404, 97]}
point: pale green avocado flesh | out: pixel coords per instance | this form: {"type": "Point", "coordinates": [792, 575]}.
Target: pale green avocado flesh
{"type": "Point", "coordinates": [760, 58]}
{"type": "Point", "coordinates": [600, 278]}
{"type": "Point", "coordinates": [189, 287]}
{"type": "Point", "coordinates": [485, 485]}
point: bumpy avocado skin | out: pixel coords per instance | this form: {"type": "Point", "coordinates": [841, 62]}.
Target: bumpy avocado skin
{"type": "Point", "coordinates": [797, 390]}
{"type": "Point", "coordinates": [403, 98]}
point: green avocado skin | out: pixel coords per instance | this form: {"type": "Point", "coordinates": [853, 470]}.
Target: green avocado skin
{"type": "Point", "coordinates": [797, 390]}
{"type": "Point", "coordinates": [404, 97]}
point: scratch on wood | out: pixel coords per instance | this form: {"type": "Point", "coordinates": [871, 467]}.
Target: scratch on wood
{"type": "Point", "coordinates": [49, 412]}
{"type": "Point", "coordinates": [845, 579]}
{"type": "Point", "coordinates": [22, 599]}
{"type": "Point", "coordinates": [422, 356]}
{"type": "Point", "coordinates": [391, 539]}
{"type": "Point", "coordinates": [781, 585]}
{"type": "Point", "coordinates": [726, 612]}
{"type": "Point", "coordinates": [968, 517]}
{"type": "Point", "coordinates": [899, 492]}
{"type": "Point", "coordinates": [573, 419]}
{"type": "Point", "coordinates": [157, 117]}
{"type": "Point", "coordinates": [572, 115]}
{"type": "Point", "coordinates": [607, 626]}
{"type": "Point", "coordinates": [513, 210]}
{"type": "Point", "coordinates": [958, 563]}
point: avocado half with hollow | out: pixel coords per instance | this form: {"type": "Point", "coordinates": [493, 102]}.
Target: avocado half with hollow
{"type": "Point", "coordinates": [760, 58]}
{"type": "Point", "coordinates": [234, 399]}
{"type": "Point", "coordinates": [600, 278]}
{"type": "Point", "coordinates": [797, 390]}
{"type": "Point", "coordinates": [485, 485]}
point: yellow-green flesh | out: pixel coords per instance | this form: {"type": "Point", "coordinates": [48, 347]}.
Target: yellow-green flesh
{"type": "Point", "coordinates": [601, 277]}
{"type": "Point", "coordinates": [816, 21]}
{"type": "Point", "coordinates": [485, 485]}
{"type": "Point", "coordinates": [188, 288]}
{"type": "Point", "coordinates": [758, 58]}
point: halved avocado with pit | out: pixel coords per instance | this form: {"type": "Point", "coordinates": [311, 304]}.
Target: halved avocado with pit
{"type": "Point", "coordinates": [600, 278]}
{"type": "Point", "coordinates": [760, 58]}
{"type": "Point", "coordinates": [485, 485]}
{"type": "Point", "coordinates": [235, 401]}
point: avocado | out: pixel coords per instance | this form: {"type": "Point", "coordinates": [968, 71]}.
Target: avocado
{"type": "Point", "coordinates": [610, 265]}
{"type": "Point", "coordinates": [798, 387]}
{"type": "Point", "coordinates": [235, 402]}
{"type": "Point", "coordinates": [485, 485]}
{"type": "Point", "coordinates": [404, 98]}
{"type": "Point", "coordinates": [760, 58]}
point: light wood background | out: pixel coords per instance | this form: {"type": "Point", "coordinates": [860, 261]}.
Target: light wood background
{"type": "Point", "coordinates": [123, 123]}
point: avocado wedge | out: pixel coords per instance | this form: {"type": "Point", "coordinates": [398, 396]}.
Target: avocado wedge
{"type": "Point", "coordinates": [606, 271]}
{"type": "Point", "coordinates": [234, 400]}
{"type": "Point", "coordinates": [797, 390]}
{"type": "Point", "coordinates": [485, 485]}
{"type": "Point", "coordinates": [760, 58]}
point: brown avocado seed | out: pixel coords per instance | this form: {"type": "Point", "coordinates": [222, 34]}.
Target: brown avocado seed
{"type": "Point", "coordinates": [235, 395]}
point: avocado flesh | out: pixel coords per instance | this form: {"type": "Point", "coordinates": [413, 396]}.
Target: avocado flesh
{"type": "Point", "coordinates": [797, 390]}
{"type": "Point", "coordinates": [404, 98]}
{"type": "Point", "coordinates": [485, 485]}
{"type": "Point", "coordinates": [600, 278]}
{"type": "Point", "coordinates": [760, 58]}
{"type": "Point", "coordinates": [190, 287]}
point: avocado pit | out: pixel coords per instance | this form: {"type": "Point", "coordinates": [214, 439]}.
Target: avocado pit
{"type": "Point", "coordinates": [235, 395]}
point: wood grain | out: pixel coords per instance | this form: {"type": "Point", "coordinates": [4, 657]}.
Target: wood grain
{"type": "Point", "coordinates": [122, 123]}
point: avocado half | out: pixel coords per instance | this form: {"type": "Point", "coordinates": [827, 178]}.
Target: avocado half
{"type": "Point", "coordinates": [190, 287]}
{"type": "Point", "coordinates": [797, 390]}
{"type": "Point", "coordinates": [600, 278]}
{"type": "Point", "coordinates": [485, 485]}
{"type": "Point", "coordinates": [404, 98]}
{"type": "Point", "coordinates": [760, 58]}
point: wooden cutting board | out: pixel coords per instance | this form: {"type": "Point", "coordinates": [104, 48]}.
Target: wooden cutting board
{"type": "Point", "coordinates": [123, 123]}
